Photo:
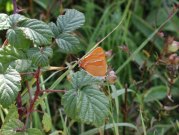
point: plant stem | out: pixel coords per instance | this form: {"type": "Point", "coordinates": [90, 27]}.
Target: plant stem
{"type": "Point", "coordinates": [19, 106]}
{"type": "Point", "coordinates": [37, 92]}
{"type": "Point", "coordinates": [15, 7]}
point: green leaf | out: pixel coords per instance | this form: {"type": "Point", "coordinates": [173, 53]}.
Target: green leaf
{"type": "Point", "coordinates": [67, 43]}
{"type": "Point", "coordinates": [12, 114]}
{"type": "Point", "coordinates": [70, 102]}
{"type": "Point", "coordinates": [17, 39]}
{"type": "Point", "coordinates": [4, 23]}
{"type": "Point", "coordinates": [21, 65]}
{"type": "Point", "coordinates": [54, 29]}
{"type": "Point", "coordinates": [1, 68]}
{"type": "Point", "coordinates": [10, 127]}
{"type": "Point", "coordinates": [15, 19]}
{"type": "Point", "coordinates": [55, 133]}
{"type": "Point", "coordinates": [93, 106]}
{"type": "Point", "coordinates": [108, 126]}
{"type": "Point", "coordinates": [120, 92]}
{"type": "Point", "coordinates": [47, 122]}
{"type": "Point", "coordinates": [72, 20]}
{"type": "Point", "coordinates": [9, 54]}
{"type": "Point", "coordinates": [9, 86]}
{"type": "Point", "coordinates": [34, 131]}
{"type": "Point", "coordinates": [81, 78]}
{"type": "Point", "coordinates": [155, 93]}
{"type": "Point", "coordinates": [88, 105]}
{"type": "Point", "coordinates": [37, 31]}
{"type": "Point", "coordinates": [40, 56]}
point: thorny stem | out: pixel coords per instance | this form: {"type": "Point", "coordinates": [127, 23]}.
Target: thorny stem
{"type": "Point", "coordinates": [37, 92]}
{"type": "Point", "coordinates": [19, 106]}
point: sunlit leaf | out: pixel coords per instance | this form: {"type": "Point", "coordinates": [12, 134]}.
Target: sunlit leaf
{"type": "Point", "coordinates": [9, 54]}
{"type": "Point", "coordinates": [12, 113]}
{"type": "Point", "coordinates": [4, 23]}
{"type": "Point", "coordinates": [37, 31]}
{"type": "Point", "coordinates": [33, 131]}
{"type": "Point", "coordinates": [9, 86]}
{"type": "Point", "coordinates": [10, 127]}
{"type": "Point", "coordinates": [21, 65]}
{"type": "Point", "coordinates": [47, 122]}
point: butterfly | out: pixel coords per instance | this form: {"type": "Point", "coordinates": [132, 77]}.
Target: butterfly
{"type": "Point", "coordinates": [95, 63]}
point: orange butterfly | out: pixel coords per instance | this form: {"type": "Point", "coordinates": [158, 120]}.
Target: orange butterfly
{"type": "Point", "coordinates": [95, 63]}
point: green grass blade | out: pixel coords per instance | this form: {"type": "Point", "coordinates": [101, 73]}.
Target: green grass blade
{"type": "Point", "coordinates": [108, 126]}
{"type": "Point", "coordinates": [144, 44]}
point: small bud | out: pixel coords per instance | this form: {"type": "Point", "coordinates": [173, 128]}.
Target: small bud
{"type": "Point", "coordinates": [176, 61]}
{"type": "Point", "coordinates": [172, 57]}
{"type": "Point", "coordinates": [160, 34]}
{"type": "Point", "coordinates": [173, 47]}
{"type": "Point", "coordinates": [108, 53]}
{"type": "Point", "coordinates": [124, 48]}
{"type": "Point", "coordinates": [111, 77]}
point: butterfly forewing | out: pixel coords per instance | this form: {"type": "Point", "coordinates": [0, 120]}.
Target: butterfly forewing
{"type": "Point", "coordinates": [95, 62]}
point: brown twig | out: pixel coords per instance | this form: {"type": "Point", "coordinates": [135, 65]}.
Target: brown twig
{"type": "Point", "coordinates": [51, 91]}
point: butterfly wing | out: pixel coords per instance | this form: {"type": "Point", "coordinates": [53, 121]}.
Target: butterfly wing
{"type": "Point", "coordinates": [95, 62]}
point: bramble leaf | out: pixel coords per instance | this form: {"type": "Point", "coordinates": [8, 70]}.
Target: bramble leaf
{"type": "Point", "coordinates": [40, 56]}
{"type": "Point", "coordinates": [4, 23]}
{"type": "Point", "coordinates": [9, 54]}
{"type": "Point", "coordinates": [89, 105]}
{"type": "Point", "coordinates": [10, 127]}
{"type": "Point", "coordinates": [17, 39]}
{"type": "Point", "coordinates": [70, 103]}
{"type": "Point", "coordinates": [9, 86]}
{"type": "Point", "coordinates": [47, 122]}
{"type": "Point", "coordinates": [54, 29]}
{"type": "Point", "coordinates": [68, 43]}
{"type": "Point", "coordinates": [81, 78]}
{"type": "Point", "coordinates": [37, 31]}
{"type": "Point", "coordinates": [15, 19]}
{"type": "Point", "coordinates": [70, 21]}
{"type": "Point", "coordinates": [12, 114]}
{"type": "Point", "coordinates": [21, 65]}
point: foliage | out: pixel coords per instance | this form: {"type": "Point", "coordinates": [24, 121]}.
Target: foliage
{"type": "Point", "coordinates": [142, 97]}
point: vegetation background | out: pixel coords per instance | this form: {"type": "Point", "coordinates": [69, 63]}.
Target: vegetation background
{"type": "Point", "coordinates": [149, 104]}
